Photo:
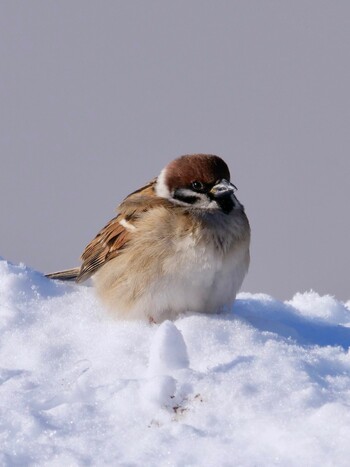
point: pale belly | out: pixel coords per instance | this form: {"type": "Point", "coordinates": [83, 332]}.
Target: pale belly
{"type": "Point", "coordinates": [195, 279]}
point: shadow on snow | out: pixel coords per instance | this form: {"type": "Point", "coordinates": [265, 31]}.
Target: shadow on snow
{"type": "Point", "coordinates": [285, 320]}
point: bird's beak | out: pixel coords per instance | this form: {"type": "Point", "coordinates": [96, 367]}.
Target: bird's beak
{"type": "Point", "coordinates": [223, 189]}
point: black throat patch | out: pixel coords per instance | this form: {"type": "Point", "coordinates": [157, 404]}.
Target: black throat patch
{"type": "Point", "coordinates": [226, 204]}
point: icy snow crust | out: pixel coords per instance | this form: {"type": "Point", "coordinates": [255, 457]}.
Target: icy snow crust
{"type": "Point", "coordinates": [266, 384]}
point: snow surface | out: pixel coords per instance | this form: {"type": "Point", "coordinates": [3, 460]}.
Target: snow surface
{"type": "Point", "coordinates": [265, 384]}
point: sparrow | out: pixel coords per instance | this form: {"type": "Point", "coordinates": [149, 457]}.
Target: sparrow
{"type": "Point", "coordinates": [180, 243]}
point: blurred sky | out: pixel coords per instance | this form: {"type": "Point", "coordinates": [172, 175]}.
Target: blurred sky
{"type": "Point", "coordinates": [97, 96]}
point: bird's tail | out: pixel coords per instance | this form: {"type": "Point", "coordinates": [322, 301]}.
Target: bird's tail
{"type": "Point", "coordinates": [67, 275]}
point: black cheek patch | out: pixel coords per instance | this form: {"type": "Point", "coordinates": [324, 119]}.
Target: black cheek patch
{"type": "Point", "coordinates": [185, 198]}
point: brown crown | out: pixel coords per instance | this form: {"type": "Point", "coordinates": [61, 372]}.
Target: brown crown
{"type": "Point", "coordinates": [205, 168]}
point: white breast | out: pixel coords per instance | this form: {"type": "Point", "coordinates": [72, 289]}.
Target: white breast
{"type": "Point", "coordinates": [197, 278]}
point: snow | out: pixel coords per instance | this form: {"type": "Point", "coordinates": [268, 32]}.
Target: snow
{"type": "Point", "coordinates": [267, 383]}
{"type": "Point", "coordinates": [168, 350]}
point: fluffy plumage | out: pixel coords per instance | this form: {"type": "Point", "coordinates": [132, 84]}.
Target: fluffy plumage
{"type": "Point", "coordinates": [179, 243]}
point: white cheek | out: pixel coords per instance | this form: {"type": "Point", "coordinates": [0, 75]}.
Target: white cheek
{"type": "Point", "coordinates": [161, 188]}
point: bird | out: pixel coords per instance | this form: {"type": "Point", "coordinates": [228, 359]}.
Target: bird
{"type": "Point", "coordinates": [178, 244]}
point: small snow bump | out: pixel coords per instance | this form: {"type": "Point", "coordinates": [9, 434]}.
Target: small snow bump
{"type": "Point", "coordinates": [160, 391]}
{"type": "Point", "coordinates": [168, 350]}
{"type": "Point", "coordinates": [325, 308]}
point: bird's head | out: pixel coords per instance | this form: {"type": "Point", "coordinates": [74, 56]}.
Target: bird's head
{"type": "Point", "coordinates": [200, 181]}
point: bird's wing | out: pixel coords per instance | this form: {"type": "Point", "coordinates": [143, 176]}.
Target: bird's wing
{"type": "Point", "coordinates": [114, 237]}
{"type": "Point", "coordinates": [105, 246]}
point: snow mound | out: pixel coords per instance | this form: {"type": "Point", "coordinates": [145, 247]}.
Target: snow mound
{"type": "Point", "coordinates": [267, 383]}
{"type": "Point", "coordinates": [168, 350]}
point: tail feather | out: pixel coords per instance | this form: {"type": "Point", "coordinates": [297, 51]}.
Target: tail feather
{"type": "Point", "coordinates": [67, 275]}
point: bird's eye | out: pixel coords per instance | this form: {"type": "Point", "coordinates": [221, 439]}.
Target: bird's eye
{"type": "Point", "coordinates": [197, 186]}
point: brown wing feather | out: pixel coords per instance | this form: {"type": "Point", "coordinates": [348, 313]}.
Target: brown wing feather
{"type": "Point", "coordinates": [111, 240]}
{"type": "Point", "coordinates": [105, 246]}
